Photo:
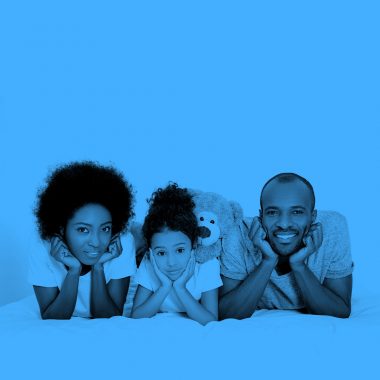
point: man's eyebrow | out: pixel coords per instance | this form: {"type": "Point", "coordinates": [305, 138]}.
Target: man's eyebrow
{"type": "Point", "coordinates": [304, 208]}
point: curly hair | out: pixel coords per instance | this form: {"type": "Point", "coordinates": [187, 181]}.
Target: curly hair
{"type": "Point", "coordinates": [73, 185]}
{"type": "Point", "coordinates": [173, 208]}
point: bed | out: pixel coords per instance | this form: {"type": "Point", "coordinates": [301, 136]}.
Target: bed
{"type": "Point", "coordinates": [271, 344]}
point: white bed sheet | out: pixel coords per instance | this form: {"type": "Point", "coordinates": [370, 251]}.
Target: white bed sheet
{"type": "Point", "coordinates": [271, 344]}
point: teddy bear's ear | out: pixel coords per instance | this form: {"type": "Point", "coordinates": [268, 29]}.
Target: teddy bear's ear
{"type": "Point", "coordinates": [237, 210]}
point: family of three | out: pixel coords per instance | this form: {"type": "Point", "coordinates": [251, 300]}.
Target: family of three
{"type": "Point", "coordinates": [84, 270]}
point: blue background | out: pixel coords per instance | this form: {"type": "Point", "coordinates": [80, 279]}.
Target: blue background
{"type": "Point", "coordinates": [215, 95]}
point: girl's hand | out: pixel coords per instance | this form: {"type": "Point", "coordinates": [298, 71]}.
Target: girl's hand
{"type": "Point", "coordinates": [60, 252]}
{"type": "Point", "coordinates": [114, 250]}
{"type": "Point", "coordinates": [166, 282]}
{"type": "Point", "coordinates": [187, 273]}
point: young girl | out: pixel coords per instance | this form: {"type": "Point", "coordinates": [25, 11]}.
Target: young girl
{"type": "Point", "coordinates": [170, 280]}
{"type": "Point", "coordinates": [84, 270]}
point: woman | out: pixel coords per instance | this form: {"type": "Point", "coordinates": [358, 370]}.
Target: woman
{"type": "Point", "coordinates": [85, 269]}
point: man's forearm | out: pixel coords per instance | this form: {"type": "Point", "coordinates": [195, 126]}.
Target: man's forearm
{"type": "Point", "coordinates": [317, 298]}
{"type": "Point", "coordinates": [242, 301]}
{"type": "Point", "coordinates": [102, 305]}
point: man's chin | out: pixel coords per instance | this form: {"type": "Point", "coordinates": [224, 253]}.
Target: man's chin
{"type": "Point", "coordinates": [286, 250]}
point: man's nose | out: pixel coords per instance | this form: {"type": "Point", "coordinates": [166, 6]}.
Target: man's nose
{"type": "Point", "coordinates": [284, 221]}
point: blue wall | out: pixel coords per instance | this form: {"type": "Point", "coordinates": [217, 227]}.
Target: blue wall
{"type": "Point", "coordinates": [215, 95]}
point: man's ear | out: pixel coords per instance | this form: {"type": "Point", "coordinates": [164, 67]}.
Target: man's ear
{"type": "Point", "coordinates": [260, 213]}
{"type": "Point", "coordinates": [314, 216]}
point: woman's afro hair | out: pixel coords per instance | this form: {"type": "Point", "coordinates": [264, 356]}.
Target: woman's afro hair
{"type": "Point", "coordinates": [73, 185]}
{"type": "Point", "coordinates": [172, 208]}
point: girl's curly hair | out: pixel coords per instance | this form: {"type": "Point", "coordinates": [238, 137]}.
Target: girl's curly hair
{"type": "Point", "coordinates": [73, 185]}
{"type": "Point", "coordinates": [172, 208]}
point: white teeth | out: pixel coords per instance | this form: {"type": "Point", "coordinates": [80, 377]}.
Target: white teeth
{"type": "Point", "coordinates": [285, 236]}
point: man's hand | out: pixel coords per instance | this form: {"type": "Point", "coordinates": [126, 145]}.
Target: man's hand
{"type": "Point", "coordinates": [313, 240]}
{"type": "Point", "coordinates": [60, 252]}
{"type": "Point", "coordinates": [166, 282]}
{"type": "Point", "coordinates": [114, 250]}
{"type": "Point", "coordinates": [257, 234]}
{"type": "Point", "coordinates": [181, 281]}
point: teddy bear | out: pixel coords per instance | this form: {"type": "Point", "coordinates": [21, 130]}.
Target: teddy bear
{"type": "Point", "coordinates": [219, 222]}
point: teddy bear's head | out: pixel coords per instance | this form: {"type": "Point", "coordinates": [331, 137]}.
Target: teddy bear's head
{"type": "Point", "coordinates": [218, 221]}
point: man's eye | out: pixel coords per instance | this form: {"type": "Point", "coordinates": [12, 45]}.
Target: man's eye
{"type": "Point", "coordinates": [298, 212]}
{"type": "Point", "coordinates": [271, 212]}
{"type": "Point", "coordinates": [82, 229]}
{"type": "Point", "coordinates": [107, 229]}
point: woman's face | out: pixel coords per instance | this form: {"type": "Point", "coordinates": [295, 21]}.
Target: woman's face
{"type": "Point", "coordinates": [172, 251]}
{"type": "Point", "coordinates": [88, 233]}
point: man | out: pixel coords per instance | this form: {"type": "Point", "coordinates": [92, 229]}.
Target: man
{"type": "Point", "coordinates": [289, 261]}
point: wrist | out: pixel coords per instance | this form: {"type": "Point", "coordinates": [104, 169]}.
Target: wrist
{"type": "Point", "coordinates": [271, 261]}
{"type": "Point", "coordinates": [297, 266]}
{"type": "Point", "coordinates": [98, 267]}
{"type": "Point", "coordinates": [75, 270]}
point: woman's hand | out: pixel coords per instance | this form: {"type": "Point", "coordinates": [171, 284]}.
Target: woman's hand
{"type": "Point", "coordinates": [166, 282]}
{"type": "Point", "coordinates": [187, 273]}
{"type": "Point", "coordinates": [60, 252]}
{"type": "Point", "coordinates": [114, 250]}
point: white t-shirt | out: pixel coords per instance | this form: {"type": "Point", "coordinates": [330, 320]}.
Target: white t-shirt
{"type": "Point", "coordinates": [45, 271]}
{"type": "Point", "coordinates": [206, 277]}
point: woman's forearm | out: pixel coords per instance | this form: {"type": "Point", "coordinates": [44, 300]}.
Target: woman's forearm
{"type": "Point", "coordinates": [64, 304]}
{"type": "Point", "coordinates": [101, 303]}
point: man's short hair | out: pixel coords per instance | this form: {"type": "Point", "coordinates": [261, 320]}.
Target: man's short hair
{"type": "Point", "coordinates": [289, 177]}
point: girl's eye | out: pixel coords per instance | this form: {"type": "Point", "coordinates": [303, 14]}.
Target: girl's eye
{"type": "Point", "coordinates": [181, 250]}
{"type": "Point", "coordinates": [202, 218]}
{"type": "Point", "coordinates": [107, 229]}
{"type": "Point", "coordinates": [82, 229]}
{"type": "Point", "coordinates": [160, 253]}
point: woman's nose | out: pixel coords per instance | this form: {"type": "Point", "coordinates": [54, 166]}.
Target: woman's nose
{"type": "Point", "coordinates": [94, 239]}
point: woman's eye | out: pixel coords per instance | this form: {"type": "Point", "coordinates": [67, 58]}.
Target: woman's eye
{"type": "Point", "coordinates": [181, 250]}
{"type": "Point", "coordinates": [160, 253]}
{"type": "Point", "coordinates": [202, 218]}
{"type": "Point", "coordinates": [82, 229]}
{"type": "Point", "coordinates": [107, 229]}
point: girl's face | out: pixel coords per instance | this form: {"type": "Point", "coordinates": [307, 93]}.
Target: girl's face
{"type": "Point", "coordinates": [172, 251]}
{"type": "Point", "coordinates": [88, 233]}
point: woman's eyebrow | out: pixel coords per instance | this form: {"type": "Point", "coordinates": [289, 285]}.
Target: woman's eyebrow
{"type": "Point", "coordinates": [89, 224]}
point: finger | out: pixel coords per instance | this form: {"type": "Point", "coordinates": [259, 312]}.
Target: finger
{"type": "Point", "coordinates": [119, 245]}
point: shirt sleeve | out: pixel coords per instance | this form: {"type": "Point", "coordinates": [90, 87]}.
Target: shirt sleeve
{"type": "Point", "coordinates": [125, 264]}
{"type": "Point", "coordinates": [340, 260]}
{"type": "Point", "coordinates": [145, 275]}
{"type": "Point", "coordinates": [232, 264]}
{"type": "Point", "coordinates": [40, 272]}
{"type": "Point", "coordinates": [209, 276]}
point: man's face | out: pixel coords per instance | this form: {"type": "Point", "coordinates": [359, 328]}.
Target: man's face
{"type": "Point", "coordinates": [286, 215]}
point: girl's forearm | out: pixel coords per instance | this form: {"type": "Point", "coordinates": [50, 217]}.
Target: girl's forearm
{"type": "Point", "coordinates": [64, 304]}
{"type": "Point", "coordinates": [101, 303]}
{"type": "Point", "coordinates": [152, 305]}
{"type": "Point", "coordinates": [194, 309]}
